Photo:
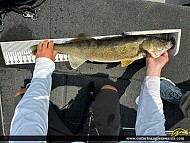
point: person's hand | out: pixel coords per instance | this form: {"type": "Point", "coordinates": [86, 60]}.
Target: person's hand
{"type": "Point", "coordinates": [154, 66]}
{"type": "Point", "coordinates": [45, 49]}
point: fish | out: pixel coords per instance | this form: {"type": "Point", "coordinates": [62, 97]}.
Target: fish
{"type": "Point", "coordinates": [125, 49]}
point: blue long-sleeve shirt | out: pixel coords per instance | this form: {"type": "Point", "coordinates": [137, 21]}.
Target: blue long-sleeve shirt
{"type": "Point", "coordinates": [31, 113]}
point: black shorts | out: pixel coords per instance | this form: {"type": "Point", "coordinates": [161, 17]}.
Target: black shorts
{"type": "Point", "coordinates": [106, 117]}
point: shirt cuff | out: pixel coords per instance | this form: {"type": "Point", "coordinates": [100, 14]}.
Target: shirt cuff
{"type": "Point", "coordinates": [147, 78]}
{"type": "Point", "coordinates": [44, 63]}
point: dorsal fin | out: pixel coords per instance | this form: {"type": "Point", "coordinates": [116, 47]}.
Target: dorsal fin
{"type": "Point", "coordinates": [81, 37]}
{"type": "Point", "coordinates": [123, 34]}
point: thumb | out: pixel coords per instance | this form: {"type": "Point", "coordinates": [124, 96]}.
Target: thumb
{"type": "Point", "coordinates": [54, 55]}
{"type": "Point", "coordinates": [148, 55]}
{"type": "Point", "coordinates": [165, 54]}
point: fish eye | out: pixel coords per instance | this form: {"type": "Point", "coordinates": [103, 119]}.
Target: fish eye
{"type": "Point", "coordinates": [161, 48]}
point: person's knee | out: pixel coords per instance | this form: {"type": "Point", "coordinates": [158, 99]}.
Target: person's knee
{"type": "Point", "coordinates": [109, 87]}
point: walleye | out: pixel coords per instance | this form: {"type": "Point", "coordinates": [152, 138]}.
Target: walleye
{"type": "Point", "coordinates": [125, 49]}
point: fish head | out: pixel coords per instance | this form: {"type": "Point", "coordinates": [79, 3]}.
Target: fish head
{"type": "Point", "coordinates": [156, 46]}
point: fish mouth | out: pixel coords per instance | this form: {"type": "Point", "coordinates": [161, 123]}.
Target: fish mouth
{"type": "Point", "coordinates": [170, 44]}
{"type": "Point", "coordinates": [173, 42]}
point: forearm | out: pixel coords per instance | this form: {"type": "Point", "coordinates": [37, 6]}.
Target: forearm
{"type": "Point", "coordinates": [150, 117]}
{"type": "Point", "coordinates": [31, 114]}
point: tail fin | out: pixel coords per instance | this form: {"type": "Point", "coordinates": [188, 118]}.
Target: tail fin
{"type": "Point", "coordinates": [34, 49]}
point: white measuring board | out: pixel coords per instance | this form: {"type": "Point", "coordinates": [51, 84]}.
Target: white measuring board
{"type": "Point", "coordinates": [19, 52]}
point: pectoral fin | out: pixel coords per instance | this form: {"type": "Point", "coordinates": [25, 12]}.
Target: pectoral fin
{"type": "Point", "coordinates": [75, 62]}
{"type": "Point", "coordinates": [126, 62]}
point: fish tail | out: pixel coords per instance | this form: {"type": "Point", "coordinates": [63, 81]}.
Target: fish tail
{"type": "Point", "coordinates": [34, 49]}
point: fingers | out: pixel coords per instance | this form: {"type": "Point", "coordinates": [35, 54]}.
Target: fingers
{"type": "Point", "coordinates": [39, 46]}
{"type": "Point", "coordinates": [165, 57]}
{"type": "Point", "coordinates": [45, 49]}
{"type": "Point", "coordinates": [165, 54]}
{"type": "Point", "coordinates": [45, 44]}
{"type": "Point", "coordinates": [148, 55]}
{"type": "Point", "coordinates": [51, 45]}
{"type": "Point", "coordinates": [54, 54]}
{"type": "Point", "coordinates": [42, 45]}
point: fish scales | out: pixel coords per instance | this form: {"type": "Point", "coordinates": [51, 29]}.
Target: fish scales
{"type": "Point", "coordinates": [105, 50]}
{"type": "Point", "coordinates": [125, 49]}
